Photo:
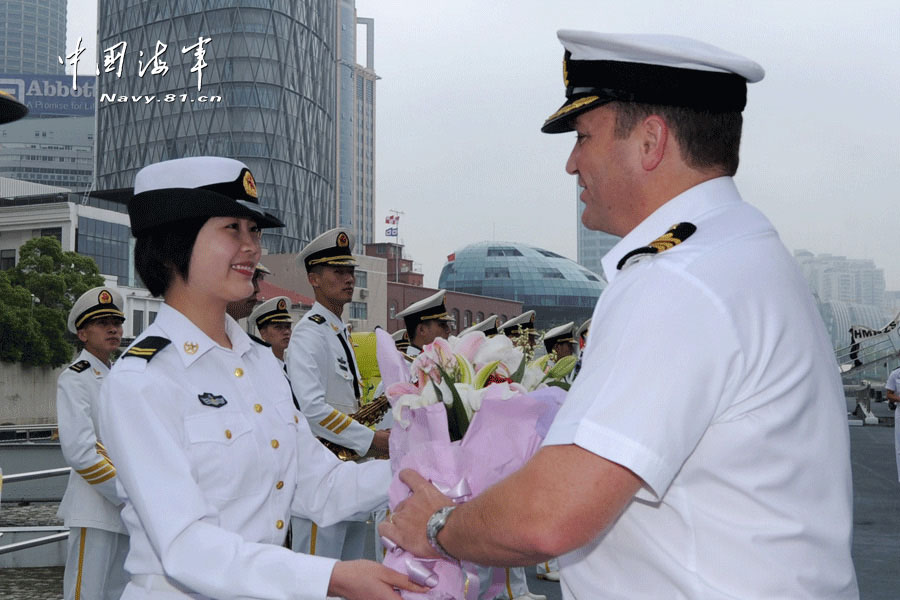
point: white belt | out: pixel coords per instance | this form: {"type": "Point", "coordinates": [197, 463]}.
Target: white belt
{"type": "Point", "coordinates": [159, 583]}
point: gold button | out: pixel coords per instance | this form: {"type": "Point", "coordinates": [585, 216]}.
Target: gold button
{"type": "Point", "coordinates": [296, 420]}
{"type": "Point", "coordinates": [279, 485]}
{"type": "Point", "coordinates": [239, 372]}
{"type": "Point", "coordinates": [279, 524]}
{"type": "Point", "coordinates": [257, 407]}
{"type": "Point", "coordinates": [228, 433]}
{"type": "Point", "coordinates": [274, 443]}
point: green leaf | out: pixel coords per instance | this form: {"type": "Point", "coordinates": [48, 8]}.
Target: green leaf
{"type": "Point", "coordinates": [560, 384]}
{"type": "Point", "coordinates": [562, 368]}
{"type": "Point", "coordinates": [457, 419]}
{"type": "Point", "coordinates": [520, 372]}
{"type": "Point", "coordinates": [484, 373]}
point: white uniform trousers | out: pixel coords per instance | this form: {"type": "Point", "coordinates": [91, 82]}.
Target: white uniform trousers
{"type": "Point", "coordinates": [342, 541]}
{"type": "Point", "coordinates": [514, 585]}
{"type": "Point", "coordinates": [95, 564]}
{"type": "Point", "coordinates": [551, 566]}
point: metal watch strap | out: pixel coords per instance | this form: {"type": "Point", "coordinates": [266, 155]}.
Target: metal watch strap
{"type": "Point", "coordinates": [435, 524]}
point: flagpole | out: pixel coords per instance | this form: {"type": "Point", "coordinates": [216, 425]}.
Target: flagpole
{"type": "Point", "coordinates": [395, 221]}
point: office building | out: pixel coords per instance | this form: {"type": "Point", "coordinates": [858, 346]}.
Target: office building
{"type": "Point", "coordinates": [592, 245]}
{"type": "Point", "coordinates": [32, 36]}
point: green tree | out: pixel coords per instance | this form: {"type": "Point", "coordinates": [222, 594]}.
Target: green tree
{"type": "Point", "coordinates": [35, 298]}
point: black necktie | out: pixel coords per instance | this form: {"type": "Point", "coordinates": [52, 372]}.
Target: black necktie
{"type": "Point", "coordinates": [351, 364]}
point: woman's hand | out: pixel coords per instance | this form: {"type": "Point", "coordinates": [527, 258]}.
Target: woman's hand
{"type": "Point", "coordinates": [368, 580]}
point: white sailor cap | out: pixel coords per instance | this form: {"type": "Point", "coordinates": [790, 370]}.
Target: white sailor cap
{"type": "Point", "coordinates": [582, 330]}
{"type": "Point", "coordinates": [10, 108]}
{"type": "Point", "coordinates": [334, 247]}
{"type": "Point", "coordinates": [401, 339]}
{"type": "Point", "coordinates": [559, 335]}
{"type": "Point", "coordinates": [261, 269]}
{"type": "Point", "coordinates": [274, 310]}
{"type": "Point", "coordinates": [195, 187]}
{"type": "Point", "coordinates": [650, 69]}
{"type": "Point", "coordinates": [431, 308]}
{"type": "Point", "coordinates": [488, 326]}
{"type": "Point", "coordinates": [95, 303]}
{"type": "Point", "coordinates": [523, 323]}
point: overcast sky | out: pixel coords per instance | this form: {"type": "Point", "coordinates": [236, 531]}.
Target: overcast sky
{"type": "Point", "coordinates": [466, 84]}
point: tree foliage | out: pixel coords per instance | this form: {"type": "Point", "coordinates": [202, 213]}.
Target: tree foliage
{"type": "Point", "coordinates": [35, 298]}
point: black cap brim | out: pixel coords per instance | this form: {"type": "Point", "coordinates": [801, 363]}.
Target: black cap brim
{"type": "Point", "coordinates": [157, 208]}
{"type": "Point", "coordinates": [11, 109]}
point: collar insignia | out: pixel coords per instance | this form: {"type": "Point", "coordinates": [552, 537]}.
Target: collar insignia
{"type": "Point", "coordinates": [317, 319]}
{"type": "Point", "coordinates": [190, 348]}
{"type": "Point", "coordinates": [215, 401]}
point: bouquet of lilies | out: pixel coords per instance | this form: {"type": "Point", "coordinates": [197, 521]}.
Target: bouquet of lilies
{"type": "Point", "coordinates": [468, 412]}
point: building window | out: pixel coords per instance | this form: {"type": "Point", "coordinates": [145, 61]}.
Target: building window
{"type": "Point", "coordinates": [503, 319]}
{"type": "Point", "coordinates": [503, 251]}
{"type": "Point", "coordinates": [359, 310]}
{"type": "Point", "coordinates": [467, 318]}
{"type": "Point", "coordinates": [54, 232]}
{"type": "Point", "coordinates": [362, 278]}
{"type": "Point", "coordinates": [152, 317]}
{"type": "Point", "coordinates": [137, 322]}
{"type": "Point", "coordinates": [7, 259]}
{"type": "Point", "coordinates": [393, 311]}
{"type": "Point", "coordinates": [479, 317]}
{"type": "Point", "coordinates": [456, 319]}
{"type": "Point", "coordinates": [496, 273]}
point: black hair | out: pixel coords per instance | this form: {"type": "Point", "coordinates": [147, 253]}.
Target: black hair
{"type": "Point", "coordinates": [162, 252]}
{"type": "Point", "coordinates": [708, 140]}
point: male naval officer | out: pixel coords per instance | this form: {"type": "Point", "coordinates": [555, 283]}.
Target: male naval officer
{"type": "Point", "coordinates": [273, 321]}
{"type": "Point", "coordinates": [10, 108]}
{"type": "Point", "coordinates": [426, 320]}
{"type": "Point", "coordinates": [488, 327]}
{"type": "Point", "coordinates": [98, 540]}
{"type": "Point", "coordinates": [561, 340]}
{"type": "Point", "coordinates": [703, 450]}
{"type": "Point", "coordinates": [521, 325]}
{"type": "Point", "coordinates": [242, 308]}
{"type": "Point", "coordinates": [325, 381]}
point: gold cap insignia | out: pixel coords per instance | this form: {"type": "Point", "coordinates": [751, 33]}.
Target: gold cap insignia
{"type": "Point", "coordinates": [105, 297]}
{"type": "Point", "coordinates": [250, 184]}
{"type": "Point", "coordinates": [342, 240]}
{"type": "Point", "coordinates": [282, 305]}
{"type": "Point", "coordinates": [190, 347]}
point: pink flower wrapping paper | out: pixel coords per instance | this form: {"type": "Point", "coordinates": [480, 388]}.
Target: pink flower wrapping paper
{"type": "Point", "coordinates": [501, 437]}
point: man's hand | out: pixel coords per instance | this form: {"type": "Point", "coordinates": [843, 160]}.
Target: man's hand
{"type": "Point", "coordinates": [368, 580]}
{"type": "Point", "coordinates": [379, 445]}
{"type": "Point", "coordinates": [406, 524]}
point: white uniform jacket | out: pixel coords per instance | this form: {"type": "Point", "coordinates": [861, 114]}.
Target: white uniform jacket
{"type": "Point", "coordinates": [322, 379]}
{"type": "Point", "coordinates": [213, 459]}
{"type": "Point", "coordinates": [709, 374]}
{"type": "Point", "coordinates": [90, 499]}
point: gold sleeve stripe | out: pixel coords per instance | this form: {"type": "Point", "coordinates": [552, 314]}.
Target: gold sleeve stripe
{"type": "Point", "coordinates": [109, 475]}
{"type": "Point", "coordinates": [101, 476]}
{"type": "Point", "coordinates": [87, 471]}
{"type": "Point", "coordinates": [337, 422]}
{"type": "Point", "coordinates": [344, 426]}
{"type": "Point", "coordinates": [324, 422]}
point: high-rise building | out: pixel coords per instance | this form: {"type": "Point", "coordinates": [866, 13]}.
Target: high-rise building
{"type": "Point", "coordinates": [592, 245]}
{"type": "Point", "coordinates": [248, 80]}
{"type": "Point", "coordinates": [56, 152]}
{"type": "Point", "coordinates": [356, 128]}
{"type": "Point", "coordinates": [32, 36]}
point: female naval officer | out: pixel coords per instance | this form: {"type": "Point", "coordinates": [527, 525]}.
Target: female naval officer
{"type": "Point", "coordinates": [212, 457]}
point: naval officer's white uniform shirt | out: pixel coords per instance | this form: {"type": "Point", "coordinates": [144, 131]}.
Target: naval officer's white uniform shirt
{"type": "Point", "coordinates": [708, 373]}
{"type": "Point", "coordinates": [212, 459]}
{"type": "Point", "coordinates": [90, 499]}
{"type": "Point", "coordinates": [322, 379]}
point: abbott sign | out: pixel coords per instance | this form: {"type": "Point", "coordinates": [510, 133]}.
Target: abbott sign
{"type": "Point", "coordinates": [52, 95]}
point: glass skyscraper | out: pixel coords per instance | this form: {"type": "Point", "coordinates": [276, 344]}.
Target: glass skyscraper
{"type": "Point", "coordinates": [592, 245]}
{"type": "Point", "coordinates": [32, 36]}
{"type": "Point", "coordinates": [267, 97]}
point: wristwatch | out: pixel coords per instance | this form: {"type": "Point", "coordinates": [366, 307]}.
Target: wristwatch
{"type": "Point", "coordinates": [436, 522]}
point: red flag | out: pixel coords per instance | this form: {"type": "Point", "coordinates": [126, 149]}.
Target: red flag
{"type": "Point", "coordinates": [451, 257]}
